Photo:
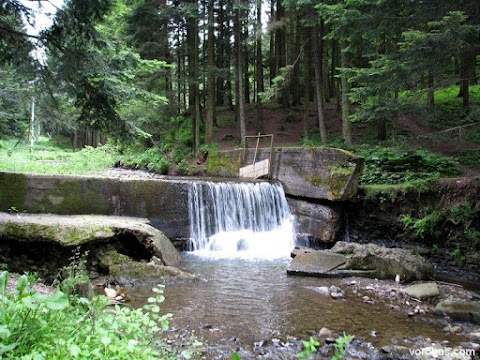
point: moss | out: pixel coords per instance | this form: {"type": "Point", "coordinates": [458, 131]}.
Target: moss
{"type": "Point", "coordinates": [334, 182]}
{"type": "Point", "coordinates": [112, 258]}
{"type": "Point", "coordinates": [63, 235]}
{"type": "Point", "coordinates": [16, 194]}
{"type": "Point", "coordinates": [79, 197]}
{"type": "Point", "coordinates": [228, 162]}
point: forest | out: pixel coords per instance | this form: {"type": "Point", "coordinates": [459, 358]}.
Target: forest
{"type": "Point", "coordinates": [160, 79]}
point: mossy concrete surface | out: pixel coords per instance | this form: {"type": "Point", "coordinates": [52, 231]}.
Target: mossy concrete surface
{"type": "Point", "coordinates": [123, 270]}
{"type": "Point", "coordinates": [69, 231]}
{"type": "Point", "coordinates": [317, 173]}
{"type": "Point", "coordinates": [163, 202]}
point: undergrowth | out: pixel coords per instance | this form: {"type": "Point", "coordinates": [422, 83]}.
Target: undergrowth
{"type": "Point", "coordinates": [396, 166]}
{"type": "Point", "coordinates": [63, 325]}
{"type": "Point", "coordinates": [48, 158]}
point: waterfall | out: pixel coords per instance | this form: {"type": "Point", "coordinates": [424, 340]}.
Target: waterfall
{"type": "Point", "coordinates": [240, 219]}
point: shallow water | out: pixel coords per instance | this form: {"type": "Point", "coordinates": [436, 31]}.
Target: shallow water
{"type": "Point", "coordinates": [253, 300]}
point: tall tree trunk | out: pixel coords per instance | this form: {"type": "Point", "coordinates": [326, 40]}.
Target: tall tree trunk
{"type": "Point", "coordinates": [333, 70]}
{"type": "Point", "coordinates": [319, 96]}
{"type": "Point", "coordinates": [259, 84]}
{"type": "Point", "coordinates": [307, 76]}
{"type": "Point", "coordinates": [295, 80]}
{"type": "Point", "coordinates": [280, 49]}
{"type": "Point", "coordinates": [221, 53]}
{"type": "Point", "coordinates": [272, 59]}
{"type": "Point", "coordinates": [228, 55]}
{"type": "Point", "coordinates": [211, 105]}
{"type": "Point", "coordinates": [346, 124]}
{"type": "Point", "coordinates": [245, 61]}
{"type": "Point", "coordinates": [430, 90]}
{"type": "Point", "coordinates": [240, 99]}
{"type": "Point", "coordinates": [194, 98]}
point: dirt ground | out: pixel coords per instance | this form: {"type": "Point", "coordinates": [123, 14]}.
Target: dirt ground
{"type": "Point", "coordinates": [288, 127]}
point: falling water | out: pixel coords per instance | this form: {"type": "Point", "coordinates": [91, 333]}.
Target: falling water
{"type": "Point", "coordinates": [248, 219]}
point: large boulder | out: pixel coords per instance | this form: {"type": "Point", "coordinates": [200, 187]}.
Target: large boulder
{"type": "Point", "coordinates": [316, 224]}
{"type": "Point", "coordinates": [386, 263]}
{"type": "Point", "coordinates": [322, 263]}
{"type": "Point", "coordinates": [125, 271]}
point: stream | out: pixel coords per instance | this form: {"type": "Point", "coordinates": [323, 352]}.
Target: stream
{"type": "Point", "coordinates": [250, 300]}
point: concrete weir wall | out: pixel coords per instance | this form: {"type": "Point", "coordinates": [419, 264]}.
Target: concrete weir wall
{"type": "Point", "coordinates": [316, 182]}
{"type": "Point", "coordinates": [163, 202]}
{"type": "Point", "coordinates": [315, 173]}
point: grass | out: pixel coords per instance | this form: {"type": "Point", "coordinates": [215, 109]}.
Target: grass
{"type": "Point", "coordinates": [50, 158]}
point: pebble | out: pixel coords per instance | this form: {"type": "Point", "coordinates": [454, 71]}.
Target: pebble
{"type": "Point", "coordinates": [456, 329]}
{"type": "Point", "coordinates": [325, 332]}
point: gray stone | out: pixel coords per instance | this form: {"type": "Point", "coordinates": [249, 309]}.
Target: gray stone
{"type": "Point", "coordinates": [325, 333]}
{"type": "Point", "coordinates": [316, 263]}
{"type": "Point", "coordinates": [336, 292]}
{"type": "Point", "coordinates": [460, 310]}
{"type": "Point", "coordinates": [423, 291]}
{"type": "Point", "coordinates": [385, 263]}
{"type": "Point", "coordinates": [323, 290]}
{"type": "Point", "coordinates": [315, 222]}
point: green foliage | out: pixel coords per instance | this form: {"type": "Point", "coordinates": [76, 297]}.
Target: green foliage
{"type": "Point", "coordinates": [394, 166]}
{"type": "Point", "coordinates": [469, 157]}
{"type": "Point", "coordinates": [309, 348]}
{"type": "Point", "coordinates": [426, 226]}
{"type": "Point", "coordinates": [151, 159]}
{"type": "Point", "coordinates": [462, 213]}
{"type": "Point", "coordinates": [48, 158]}
{"type": "Point", "coordinates": [36, 326]}
{"type": "Point", "coordinates": [340, 345]}
{"type": "Point", "coordinates": [457, 256]}
{"type": "Point", "coordinates": [473, 236]}
{"type": "Point", "coordinates": [73, 273]}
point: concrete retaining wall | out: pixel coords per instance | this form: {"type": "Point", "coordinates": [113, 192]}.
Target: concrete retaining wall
{"type": "Point", "coordinates": [163, 202]}
{"type": "Point", "coordinates": [316, 173]}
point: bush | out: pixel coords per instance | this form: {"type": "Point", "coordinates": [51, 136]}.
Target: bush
{"type": "Point", "coordinates": [394, 166]}
{"type": "Point", "coordinates": [36, 326]}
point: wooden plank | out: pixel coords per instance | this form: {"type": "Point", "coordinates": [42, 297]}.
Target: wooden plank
{"type": "Point", "coordinates": [255, 170]}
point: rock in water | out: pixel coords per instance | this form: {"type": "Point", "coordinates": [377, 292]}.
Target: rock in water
{"type": "Point", "coordinates": [423, 291]}
{"type": "Point", "coordinates": [460, 310]}
{"type": "Point", "coordinates": [385, 262]}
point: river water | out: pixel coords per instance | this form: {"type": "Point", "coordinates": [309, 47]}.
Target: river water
{"type": "Point", "coordinates": [253, 299]}
{"type": "Point", "coordinates": [242, 235]}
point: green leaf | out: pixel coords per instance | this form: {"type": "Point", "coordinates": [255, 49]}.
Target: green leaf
{"type": "Point", "coordinates": [235, 356]}
{"type": "Point", "coordinates": [4, 332]}
{"type": "Point", "coordinates": [3, 282]}
{"type": "Point", "coordinates": [74, 350]}
{"type": "Point", "coordinates": [106, 341]}
{"type": "Point", "coordinates": [6, 348]}
{"type": "Point", "coordinates": [22, 283]}
{"type": "Point", "coordinates": [57, 301]}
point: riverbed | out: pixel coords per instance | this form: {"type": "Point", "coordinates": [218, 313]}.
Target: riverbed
{"type": "Point", "coordinates": [243, 302]}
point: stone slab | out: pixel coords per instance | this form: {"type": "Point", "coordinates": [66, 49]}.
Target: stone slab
{"type": "Point", "coordinates": [316, 263]}
{"type": "Point", "coordinates": [460, 310]}
{"type": "Point", "coordinates": [423, 290]}
{"type": "Point", "coordinates": [75, 230]}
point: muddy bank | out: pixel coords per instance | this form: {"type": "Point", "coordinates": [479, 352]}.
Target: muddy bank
{"type": "Point", "coordinates": [440, 221]}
